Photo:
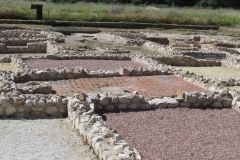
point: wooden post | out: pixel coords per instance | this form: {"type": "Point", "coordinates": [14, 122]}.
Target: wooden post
{"type": "Point", "coordinates": [38, 7]}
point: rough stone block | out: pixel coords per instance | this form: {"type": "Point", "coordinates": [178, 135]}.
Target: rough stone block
{"type": "Point", "coordinates": [1, 110]}
{"type": "Point", "coordinates": [146, 106]}
{"type": "Point", "coordinates": [158, 103]}
{"type": "Point", "coordinates": [185, 104]}
{"type": "Point", "coordinates": [115, 99]}
{"type": "Point", "coordinates": [4, 102]}
{"type": "Point", "coordinates": [217, 105]}
{"type": "Point", "coordinates": [123, 99]}
{"type": "Point", "coordinates": [51, 110]}
{"type": "Point", "coordinates": [22, 109]}
{"type": "Point", "coordinates": [109, 107]}
{"type": "Point", "coordinates": [227, 102]}
{"type": "Point", "coordinates": [192, 99]}
{"type": "Point", "coordinates": [104, 100]}
{"type": "Point", "coordinates": [41, 103]}
{"type": "Point", "coordinates": [10, 110]}
{"type": "Point", "coordinates": [122, 106]}
{"type": "Point", "coordinates": [219, 98]}
{"type": "Point", "coordinates": [123, 71]}
{"type": "Point", "coordinates": [96, 139]}
{"type": "Point", "coordinates": [201, 99]}
{"type": "Point", "coordinates": [118, 148]}
{"type": "Point", "coordinates": [38, 109]}
{"type": "Point", "coordinates": [135, 99]}
{"type": "Point", "coordinates": [133, 106]}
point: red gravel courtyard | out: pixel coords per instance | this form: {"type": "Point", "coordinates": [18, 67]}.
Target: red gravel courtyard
{"type": "Point", "coordinates": [148, 86]}
{"type": "Point", "coordinates": [180, 133]}
{"type": "Point", "coordinates": [89, 64]}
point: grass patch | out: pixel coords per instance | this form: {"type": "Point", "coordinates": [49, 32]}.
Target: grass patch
{"type": "Point", "coordinates": [118, 13]}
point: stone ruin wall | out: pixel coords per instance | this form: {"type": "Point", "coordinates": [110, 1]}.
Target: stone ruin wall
{"type": "Point", "coordinates": [32, 106]}
{"type": "Point", "coordinates": [32, 47]}
{"type": "Point", "coordinates": [168, 54]}
{"type": "Point", "coordinates": [29, 41]}
{"type": "Point", "coordinates": [108, 144]}
{"type": "Point", "coordinates": [80, 108]}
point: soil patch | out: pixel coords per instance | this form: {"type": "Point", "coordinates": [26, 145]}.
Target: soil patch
{"type": "Point", "coordinates": [183, 133]}
{"type": "Point", "coordinates": [94, 65]}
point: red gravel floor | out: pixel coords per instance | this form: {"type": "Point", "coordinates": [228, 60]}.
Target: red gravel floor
{"type": "Point", "coordinates": [93, 65]}
{"type": "Point", "coordinates": [148, 86]}
{"type": "Point", "coordinates": [180, 133]}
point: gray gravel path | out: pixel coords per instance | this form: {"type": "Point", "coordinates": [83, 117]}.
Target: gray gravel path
{"type": "Point", "coordinates": [45, 139]}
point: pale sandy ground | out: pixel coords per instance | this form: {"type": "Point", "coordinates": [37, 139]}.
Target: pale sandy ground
{"type": "Point", "coordinates": [6, 67]}
{"type": "Point", "coordinates": [45, 139]}
{"type": "Point", "coordinates": [213, 72]}
{"type": "Point", "coordinates": [237, 88]}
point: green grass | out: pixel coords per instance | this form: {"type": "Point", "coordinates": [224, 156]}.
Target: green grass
{"type": "Point", "coordinates": [118, 13]}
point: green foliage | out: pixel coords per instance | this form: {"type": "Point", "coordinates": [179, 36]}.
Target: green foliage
{"type": "Point", "coordinates": [64, 1]}
{"type": "Point", "coordinates": [121, 13]}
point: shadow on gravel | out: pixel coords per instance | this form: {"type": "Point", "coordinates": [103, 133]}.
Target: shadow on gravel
{"type": "Point", "coordinates": [71, 30]}
{"type": "Point", "coordinates": [102, 113]}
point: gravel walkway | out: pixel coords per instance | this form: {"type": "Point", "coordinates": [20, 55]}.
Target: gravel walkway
{"type": "Point", "coordinates": [180, 133]}
{"type": "Point", "coordinates": [51, 139]}
{"type": "Point", "coordinates": [86, 64]}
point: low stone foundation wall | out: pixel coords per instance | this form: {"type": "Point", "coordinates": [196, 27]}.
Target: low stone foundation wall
{"type": "Point", "coordinates": [25, 74]}
{"type": "Point", "coordinates": [30, 41]}
{"type": "Point", "coordinates": [19, 41]}
{"type": "Point", "coordinates": [126, 38]}
{"type": "Point", "coordinates": [108, 144]}
{"type": "Point", "coordinates": [33, 47]}
{"type": "Point", "coordinates": [23, 33]}
{"type": "Point", "coordinates": [34, 88]}
{"type": "Point", "coordinates": [200, 55]}
{"type": "Point", "coordinates": [32, 106]}
{"type": "Point", "coordinates": [182, 60]}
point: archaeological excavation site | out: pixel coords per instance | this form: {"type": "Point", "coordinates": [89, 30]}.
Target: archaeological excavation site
{"type": "Point", "coordinates": [131, 95]}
